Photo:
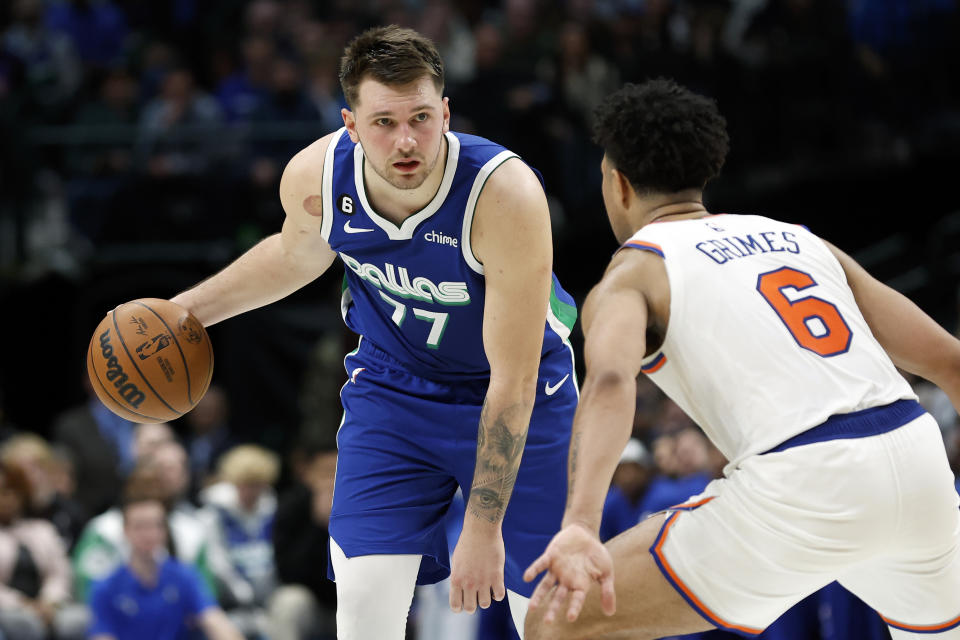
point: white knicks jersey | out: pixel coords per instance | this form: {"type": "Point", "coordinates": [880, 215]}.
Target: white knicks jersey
{"type": "Point", "coordinates": [764, 339]}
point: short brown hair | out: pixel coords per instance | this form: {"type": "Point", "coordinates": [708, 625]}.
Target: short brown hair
{"type": "Point", "coordinates": [142, 485]}
{"type": "Point", "coordinates": [391, 55]}
{"type": "Point", "coordinates": [17, 481]}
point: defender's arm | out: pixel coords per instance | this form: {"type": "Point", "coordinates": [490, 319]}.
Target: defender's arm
{"type": "Point", "coordinates": [914, 341]}
{"type": "Point", "coordinates": [615, 318]}
{"type": "Point", "coordinates": [632, 293]}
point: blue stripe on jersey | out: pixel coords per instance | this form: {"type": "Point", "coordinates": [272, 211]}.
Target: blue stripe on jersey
{"type": "Point", "coordinates": [644, 246]}
{"type": "Point", "coordinates": [416, 291]}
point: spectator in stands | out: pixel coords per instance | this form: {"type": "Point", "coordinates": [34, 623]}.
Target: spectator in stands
{"type": "Point", "coordinates": [51, 70]}
{"type": "Point", "coordinates": [242, 92]}
{"type": "Point", "coordinates": [32, 455]}
{"type": "Point", "coordinates": [178, 134]}
{"type": "Point", "coordinates": [305, 605]}
{"type": "Point", "coordinates": [147, 438]}
{"type": "Point", "coordinates": [153, 595]}
{"type": "Point", "coordinates": [102, 546]}
{"type": "Point", "coordinates": [287, 102]}
{"type": "Point", "coordinates": [156, 60]}
{"type": "Point", "coordinates": [101, 443]}
{"type": "Point", "coordinates": [624, 505]}
{"type": "Point", "coordinates": [63, 473]}
{"type": "Point", "coordinates": [445, 24]}
{"type": "Point", "coordinates": [265, 19]}
{"type": "Point", "coordinates": [241, 508]}
{"type": "Point", "coordinates": [482, 101]}
{"type": "Point", "coordinates": [97, 171]}
{"type": "Point", "coordinates": [98, 30]}
{"type": "Point", "coordinates": [682, 457]}
{"type": "Point", "coordinates": [208, 436]}
{"type": "Point", "coordinates": [34, 570]}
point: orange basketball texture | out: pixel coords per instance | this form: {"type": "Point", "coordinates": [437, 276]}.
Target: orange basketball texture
{"type": "Point", "coordinates": [150, 360]}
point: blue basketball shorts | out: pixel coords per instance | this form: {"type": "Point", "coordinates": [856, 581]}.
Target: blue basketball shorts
{"type": "Point", "coordinates": [406, 443]}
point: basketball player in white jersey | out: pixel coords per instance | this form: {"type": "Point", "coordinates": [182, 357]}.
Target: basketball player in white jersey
{"type": "Point", "coordinates": [784, 351]}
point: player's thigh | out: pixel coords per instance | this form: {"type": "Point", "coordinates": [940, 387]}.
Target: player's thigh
{"type": "Point", "coordinates": [913, 595]}
{"type": "Point", "coordinates": [914, 581]}
{"type": "Point", "coordinates": [391, 489]}
{"type": "Point", "coordinates": [647, 605]}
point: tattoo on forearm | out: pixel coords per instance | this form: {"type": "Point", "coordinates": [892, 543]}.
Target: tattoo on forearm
{"type": "Point", "coordinates": [572, 464]}
{"type": "Point", "coordinates": [499, 449]}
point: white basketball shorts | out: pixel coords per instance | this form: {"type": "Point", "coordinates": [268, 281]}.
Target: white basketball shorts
{"type": "Point", "coordinates": [878, 513]}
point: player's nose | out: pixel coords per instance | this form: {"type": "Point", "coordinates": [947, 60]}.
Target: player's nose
{"type": "Point", "coordinates": [405, 141]}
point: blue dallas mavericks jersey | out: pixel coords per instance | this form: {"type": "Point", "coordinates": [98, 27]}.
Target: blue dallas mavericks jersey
{"type": "Point", "coordinates": [417, 291]}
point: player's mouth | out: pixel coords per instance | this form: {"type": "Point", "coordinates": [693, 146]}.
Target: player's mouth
{"type": "Point", "coordinates": [406, 166]}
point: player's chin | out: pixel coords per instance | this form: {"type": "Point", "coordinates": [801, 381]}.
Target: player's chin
{"type": "Point", "coordinates": [407, 180]}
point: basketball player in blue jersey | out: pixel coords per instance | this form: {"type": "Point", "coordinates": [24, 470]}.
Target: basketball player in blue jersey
{"type": "Point", "coordinates": [463, 376]}
{"type": "Point", "coordinates": [783, 350]}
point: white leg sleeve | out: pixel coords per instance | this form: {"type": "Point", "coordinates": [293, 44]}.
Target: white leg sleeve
{"type": "Point", "coordinates": [373, 594]}
{"type": "Point", "coordinates": [518, 610]}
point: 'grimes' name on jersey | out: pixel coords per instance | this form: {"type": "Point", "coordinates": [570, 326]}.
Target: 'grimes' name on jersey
{"type": "Point", "coordinates": [397, 281]}
{"type": "Point", "coordinates": [722, 250]}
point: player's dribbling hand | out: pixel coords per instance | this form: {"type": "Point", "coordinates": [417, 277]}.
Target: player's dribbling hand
{"type": "Point", "coordinates": [476, 569]}
{"type": "Point", "coordinates": [573, 560]}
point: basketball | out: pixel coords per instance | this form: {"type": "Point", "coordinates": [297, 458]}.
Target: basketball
{"type": "Point", "coordinates": [150, 360]}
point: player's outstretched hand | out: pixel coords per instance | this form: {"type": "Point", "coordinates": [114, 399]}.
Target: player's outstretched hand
{"type": "Point", "coordinates": [476, 568]}
{"type": "Point", "coordinates": [573, 560]}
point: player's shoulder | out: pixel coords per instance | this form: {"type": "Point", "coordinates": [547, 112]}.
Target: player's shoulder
{"type": "Point", "coordinates": [306, 166]}
{"type": "Point", "coordinates": [481, 154]}
{"type": "Point", "coordinates": [474, 144]}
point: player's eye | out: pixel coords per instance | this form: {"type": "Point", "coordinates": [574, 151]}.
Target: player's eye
{"type": "Point", "coordinates": [382, 122]}
{"type": "Point", "coordinates": [421, 117]}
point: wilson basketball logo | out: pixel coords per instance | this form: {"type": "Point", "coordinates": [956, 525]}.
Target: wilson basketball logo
{"type": "Point", "coordinates": [115, 373]}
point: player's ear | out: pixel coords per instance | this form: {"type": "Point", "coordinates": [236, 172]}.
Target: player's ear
{"type": "Point", "coordinates": [350, 122]}
{"type": "Point", "coordinates": [446, 115]}
{"type": "Point", "coordinates": [622, 189]}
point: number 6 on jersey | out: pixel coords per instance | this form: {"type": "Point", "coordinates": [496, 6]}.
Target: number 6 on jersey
{"type": "Point", "coordinates": [813, 322]}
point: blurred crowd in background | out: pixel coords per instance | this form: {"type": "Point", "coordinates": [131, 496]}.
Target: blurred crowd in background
{"type": "Point", "coordinates": [141, 145]}
{"type": "Point", "coordinates": [252, 524]}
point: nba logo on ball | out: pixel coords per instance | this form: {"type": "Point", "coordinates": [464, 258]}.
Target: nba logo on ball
{"type": "Point", "coordinates": [131, 379]}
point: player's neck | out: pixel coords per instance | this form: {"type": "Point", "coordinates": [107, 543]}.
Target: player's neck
{"type": "Point", "coordinates": [396, 204]}
{"type": "Point", "coordinates": [682, 205]}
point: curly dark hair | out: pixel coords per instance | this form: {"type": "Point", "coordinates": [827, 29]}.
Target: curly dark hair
{"type": "Point", "coordinates": [391, 55]}
{"type": "Point", "coordinates": [663, 137]}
